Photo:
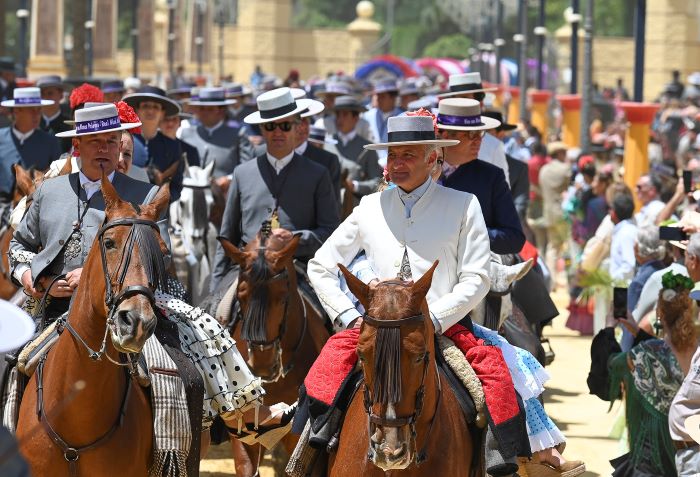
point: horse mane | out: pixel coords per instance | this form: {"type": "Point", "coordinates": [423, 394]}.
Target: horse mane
{"type": "Point", "coordinates": [254, 318]}
{"type": "Point", "coordinates": [151, 256]}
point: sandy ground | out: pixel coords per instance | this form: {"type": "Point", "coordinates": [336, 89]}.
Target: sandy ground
{"type": "Point", "coordinates": [582, 417]}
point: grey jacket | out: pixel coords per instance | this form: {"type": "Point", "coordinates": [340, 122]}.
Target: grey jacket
{"type": "Point", "coordinates": [228, 147]}
{"type": "Point", "coordinates": [306, 206]}
{"type": "Point", "coordinates": [48, 223]}
{"type": "Point", "coordinates": [368, 172]}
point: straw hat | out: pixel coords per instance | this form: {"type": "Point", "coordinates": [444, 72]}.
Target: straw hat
{"type": "Point", "coordinates": [411, 130]}
{"type": "Point", "coordinates": [463, 114]}
{"type": "Point", "coordinates": [215, 96]}
{"type": "Point", "coordinates": [26, 98]}
{"type": "Point", "coordinates": [98, 119]}
{"type": "Point", "coordinates": [465, 83]}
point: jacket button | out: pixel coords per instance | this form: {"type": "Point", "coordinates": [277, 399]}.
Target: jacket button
{"type": "Point", "coordinates": [60, 242]}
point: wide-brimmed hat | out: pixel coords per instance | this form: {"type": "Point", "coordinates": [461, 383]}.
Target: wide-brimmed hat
{"type": "Point", "coordinates": [426, 102]}
{"type": "Point", "coordinates": [50, 81]}
{"type": "Point", "coordinates": [155, 94]}
{"type": "Point", "coordinates": [348, 103]}
{"type": "Point", "coordinates": [26, 98]}
{"type": "Point", "coordinates": [276, 104]}
{"type": "Point", "coordinates": [211, 96]}
{"type": "Point", "coordinates": [556, 146]}
{"type": "Point", "coordinates": [385, 86]}
{"type": "Point", "coordinates": [113, 86]}
{"type": "Point", "coordinates": [408, 88]}
{"type": "Point", "coordinates": [184, 89]}
{"type": "Point", "coordinates": [411, 130]}
{"type": "Point", "coordinates": [319, 135]}
{"type": "Point", "coordinates": [463, 114]}
{"type": "Point", "coordinates": [98, 119]}
{"type": "Point", "coordinates": [498, 116]}
{"type": "Point", "coordinates": [16, 326]}
{"type": "Point", "coordinates": [465, 83]}
{"type": "Point", "coordinates": [237, 90]}
{"type": "Point", "coordinates": [692, 427]}
{"type": "Point", "coordinates": [334, 88]}
{"type": "Point", "coordinates": [313, 107]}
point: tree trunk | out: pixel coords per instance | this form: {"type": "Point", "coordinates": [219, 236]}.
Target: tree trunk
{"type": "Point", "coordinates": [3, 27]}
{"type": "Point", "coordinates": [78, 12]}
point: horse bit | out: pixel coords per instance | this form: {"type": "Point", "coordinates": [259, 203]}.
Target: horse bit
{"type": "Point", "coordinates": [70, 453]}
{"type": "Point", "coordinates": [409, 421]}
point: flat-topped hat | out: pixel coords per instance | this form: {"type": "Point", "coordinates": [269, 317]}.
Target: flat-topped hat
{"type": "Point", "coordinates": [184, 89]}
{"type": "Point", "coordinates": [50, 81]}
{"type": "Point", "coordinates": [113, 86]}
{"type": "Point", "coordinates": [334, 88]}
{"type": "Point", "coordinates": [426, 102]}
{"type": "Point", "coordinates": [26, 98]}
{"type": "Point", "coordinates": [98, 119]}
{"type": "Point", "coordinates": [411, 130]}
{"type": "Point", "coordinates": [318, 135]}
{"type": "Point", "coordinates": [313, 107]}
{"type": "Point", "coordinates": [465, 83]}
{"type": "Point", "coordinates": [408, 88]}
{"type": "Point", "coordinates": [276, 104]}
{"type": "Point", "coordinates": [16, 326]}
{"type": "Point", "coordinates": [385, 86]}
{"type": "Point", "coordinates": [211, 96]}
{"type": "Point", "coordinates": [498, 116]}
{"type": "Point", "coordinates": [237, 90]}
{"type": "Point", "coordinates": [155, 94]}
{"type": "Point", "coordinates": [348, 103]}
{"type": "Point", "coordinates": [89, 104]}
{"type": "Point", "coordinates": [463, 114]}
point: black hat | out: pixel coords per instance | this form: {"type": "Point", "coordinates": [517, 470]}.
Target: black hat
{"type": "Point", "coordinates": [155, 94]}
{"type": "Point", "coordinates": [113, 86]}
{"type": "Point", "coordinates": [499, 117]}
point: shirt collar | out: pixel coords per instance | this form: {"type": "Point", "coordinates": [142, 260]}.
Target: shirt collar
{"type": "Point", "coordinates": [48, 119]}
{"type": "Point", "coordinates": [216, 126]}
{"type": "Point", "coordinates": [346, 138]}
{"type": "Point", "coordinates": [279, 164]}
{"type": "Point", "coordinates": [92, 186]}
{"type": "Point", "coordinates": [21, 137]}
{"type": "Point", "coordinates": [410, 199]}
{"type": "Point", "coordinates": [302, 148]}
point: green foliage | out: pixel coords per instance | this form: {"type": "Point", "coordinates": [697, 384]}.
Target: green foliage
{"type": "Point", "coordinates": [676, 281]}
{"type": "Point", "coordinates": [126, 15]}
{"type": "Point", "coordinates": [451, 46]}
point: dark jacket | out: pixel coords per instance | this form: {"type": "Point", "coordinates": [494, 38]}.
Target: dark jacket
{"type": "Point", "coordinates": [57, 125]}
{"type": "Point", "coordinates": [328, 160]}
{"type": "Point", "coordinates": [488, 183]}
{"type": "Point", "coordinates": [519, 185]}
{"type": "Point", "coordinates": [162, 152]}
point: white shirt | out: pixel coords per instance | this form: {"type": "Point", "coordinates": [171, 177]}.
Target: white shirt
{"type": "Point", "coordinates": [302, 148]}
{"type": "Point", "coordinates": [648, 213]}
{"type": "Point", "coordinates": [409, 199]}
{"type": "Point", "coordinates": [346, 138]}
{"type": "Point", "coordinates": [686, 403]}
{"type": "Point", "coordinates": [48, 119]}
{"type": "Point", "coordinates": [21, 137]}
{"type": "Point", "coordinates": [622, 259]}
{"type": "Point", "coordinates": [216, 126]}
{"type": "Point", "coordinates": [493, 152]}
{"type": "Point", "coordinates": [279, 164]}
{"type": "Point", "coordinates": [92, 186]}
{"type": "Point", "coordinates": [650, 292]}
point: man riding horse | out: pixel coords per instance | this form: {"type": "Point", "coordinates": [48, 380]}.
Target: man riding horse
{"type": "Point", "coordinates": [402, 231]}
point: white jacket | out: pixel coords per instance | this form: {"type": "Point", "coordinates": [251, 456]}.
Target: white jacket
{"type": "Point", "coordinates": [445, 225]}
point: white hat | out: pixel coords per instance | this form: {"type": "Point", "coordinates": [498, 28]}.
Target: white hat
{"type": "Point", "coordinates": [276, 104]}
{"type": "Point", "coordinates": [313, 107]}
{"type": "Point", "coordinates": [318, 135]}
{"type": "Point", "coordinates": [26, 98]}
{"type": "Point", "coordinates": [132, 83]}
{"type": "Point", "coordinates": [16, 327]}
{"type": "Point", "coordinates": [215, 96]}
{"type": "Point", "coordinates": [463, 114]}
{"type": "Point", "coordinates": [411, 130]}
{"type": "Point", "coordinates": [465, 83]}
{"type": "Point", "coordinates": [98, 119]}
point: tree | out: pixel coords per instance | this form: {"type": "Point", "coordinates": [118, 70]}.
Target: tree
{"type": "Point", "coordinates": [449, 46]}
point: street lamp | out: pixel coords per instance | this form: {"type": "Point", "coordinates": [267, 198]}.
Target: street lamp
{"type": "Point", "coordinates": [521, 39]}
{"type": "Point", "coordinates": [135, 37]}
{"type": "Point", "coordinates": [499, 41]}
{"type": "Point", "coordinates": [201, 6]}
{"type": "Point", "coordinates": [22, 15]}
{"type": "Point", "coordinates": [640, 13]}
{"type": "Point", "coordinates": [587, 96]}
{"type": "Point", "coordinates": [172, 6]}
{"type": "Point", "coordinates": [540, 32]}
{"type": "Point", "coordinates": [573, 18]}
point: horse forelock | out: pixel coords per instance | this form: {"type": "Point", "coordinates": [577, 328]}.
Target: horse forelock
{"type": "Point", "coordinates": [254, 322]}
{"type": "Point", "coordinates": [151, 256]}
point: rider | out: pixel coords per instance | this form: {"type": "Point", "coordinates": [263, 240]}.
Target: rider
{"type": "Point", "coordinates": [290, 190]}
{"type": "Point", "coordinates": [54, 238]}
{"type": "Point", "coordinates": [402, 231]}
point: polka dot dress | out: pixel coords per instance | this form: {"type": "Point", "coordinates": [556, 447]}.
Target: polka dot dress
{"type": "Point", "coordinates": [229, 387]}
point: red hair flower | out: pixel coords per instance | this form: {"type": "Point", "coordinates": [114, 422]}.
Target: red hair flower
{"type": "Point", "coordinates": [85, 93]}
{"type": "Point", "coordinates": [424, 112]}
{"type": "Point", "coordinates": [128, 115]}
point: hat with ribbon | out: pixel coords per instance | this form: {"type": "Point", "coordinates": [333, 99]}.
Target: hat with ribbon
{"type": "Point", "coordinates": [276, 104]}
{"type": "Point", "coordinates": [16, 326]}
{"type": "Point", "coordinates": [113, 86]}
{"type": "Point", "coordinates": [385, 86]}
{"type": "Point", "coordinates": [318, 135]}
{"type": "Point", "coordinates": [465, 83]}
{"type": "Point", "coordinates": [236, 90]}
{"type": "Point", "coordinates": [411, 130]}
{"type": "Point", "coordinates": [26, 98]}
{"type": "Point", "coordinates": [50, 81]}
{"type": "Point", "coordinates": [184, 89]}
{"type": "Point", "coordinates": [333, 88]}
{"type": "Point", "coordinates": [313, 107]}
{"type": "Point", "coordinates": [154, 94]}
{"type": "Point", "coordinates": [102, 118]}
{"type": "Point", "coordinates": [463, 114]}
{"type": "Point", "coordinates": [211, 96]}
{"type": "Point", "coordinates": [348, 103]}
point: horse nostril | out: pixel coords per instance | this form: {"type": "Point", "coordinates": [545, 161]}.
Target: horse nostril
{"type": "Point", "coordinates": [127, 318]}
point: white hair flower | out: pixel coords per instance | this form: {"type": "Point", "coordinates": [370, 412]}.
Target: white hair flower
{"type": "Point", "coordinates": [668, 294]}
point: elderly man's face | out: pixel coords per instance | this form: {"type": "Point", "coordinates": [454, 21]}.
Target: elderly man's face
{"type": "Point", "coordinates": [98, 153]}
{"type": "Point", "coordinates": [646, 192]}
{"type": "Point", "coordinates": [692, 263]}
{"type": "Point", "coordinates": [409, 166]}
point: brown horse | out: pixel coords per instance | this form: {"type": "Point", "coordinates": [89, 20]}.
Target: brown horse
{"type": "Point", "coordinates": [277, 332]}
{"type": "Point", "coordinates": [104, 429]}
{"type": "Point", "coordinates": [405, 421]}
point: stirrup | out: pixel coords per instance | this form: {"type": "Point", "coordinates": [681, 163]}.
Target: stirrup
{"type": "Point", "coordinates": [269, 436]}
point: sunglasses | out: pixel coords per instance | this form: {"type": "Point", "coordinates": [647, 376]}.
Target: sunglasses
{"type": "Point", "coordinates": [285, 126]}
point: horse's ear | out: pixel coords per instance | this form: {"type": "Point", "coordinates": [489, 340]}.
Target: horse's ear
{"type": "Point", "coordinates": [109, 193]}
{"type": "Point", "coordinates": [358, 288]}
{"type": "Point", "coordinates": [286, 252]}
{"type": "Point", "coordinates": [156, 207]}
{"type": "Point", "coordinates": [421, 287]}
{"type": "Point", "coordinates": [231, 251]}
{"type": "Point", "coordinates": [24, 181]}
{"type": "Point", "coordinates": [67, 167]}
{"type": "Point", "coordinates": [208, 170]}
{"type": "Point", "coordinates": [169, 173]}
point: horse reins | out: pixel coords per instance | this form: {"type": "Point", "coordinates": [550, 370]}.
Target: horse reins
{"type": "Point", "coordinates": [411, 420]}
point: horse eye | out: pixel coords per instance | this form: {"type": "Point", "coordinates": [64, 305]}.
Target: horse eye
{"type": "Point", "coordinates": [109, 243]}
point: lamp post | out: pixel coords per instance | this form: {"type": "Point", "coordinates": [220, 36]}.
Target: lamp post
{"type": "Point", "coordinates": [574, 20]}
{"type": "Point", "coordinates": [498, 42]}
{"type": "Point", "coordinates": [540, 33]}
{"type": "Point", "coordinates": [172, 6]}
{"type": "Point", "coordinates": [89, 27]}
{"type": "Point", "coordinates": [222, 21]}
{"type": "Point", "coordinates": [640, 14]}
{"type": "Point", "coordinates": [587, 79]}
{"type": "Point", "coordinates": [135, 38]}
{"type": "Point", "coordinates": [199, 39]}
{"type": "Point", "coordinates": [22, 16]}
{"type": "Point", "coordinates": [522, 64]}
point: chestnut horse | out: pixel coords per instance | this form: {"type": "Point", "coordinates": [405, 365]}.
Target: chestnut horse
{"type": "Point", "coordinates": [105, 429]}
{"type": "Point", "coordinates": [404, 420]}
{"type": "Point", "coordinates": [277, 332]}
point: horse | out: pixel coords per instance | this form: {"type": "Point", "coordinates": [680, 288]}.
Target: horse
{"type": "Point", "coordinates": [194, 237]}
{"type": "Point", "coordinates": [277, 331]}
{"type": "Point", "coordinates": [406, 420]}
{"type": "Point", "coordinates": [82, 414]}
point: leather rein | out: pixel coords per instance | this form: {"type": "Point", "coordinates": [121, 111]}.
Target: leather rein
{"type": "Point", "coordinates": [112, 300]}
{"type": "Point", "coordinates": [411, 420]}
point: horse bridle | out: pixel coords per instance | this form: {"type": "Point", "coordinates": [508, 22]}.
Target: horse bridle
{"type": "Point", "coordinates": [411, 420]}
{"type": "Point", "coordinates": [71, 453]}
{"type": "Point", "coordinates": [276, 344]}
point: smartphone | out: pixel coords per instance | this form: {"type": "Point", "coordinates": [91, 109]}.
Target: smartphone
{"type": "Point", "coordinates": [672, 233]}
{"type": "Point", "coordinates": [619, 302]}
{"type": "Point", "coordinates": [687, 181]}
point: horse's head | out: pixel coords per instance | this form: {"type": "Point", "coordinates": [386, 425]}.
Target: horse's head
{"type": "Point", "coordinates": [265, 285]}
{"type": "Point", "coordinates": [26, 182]}
{"type": "Point", "coordinates": [395, 344]}
{"type": "Point", "coordinates": [128, 252]}
{"type": "Point", "coordinates": [191, 212]}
